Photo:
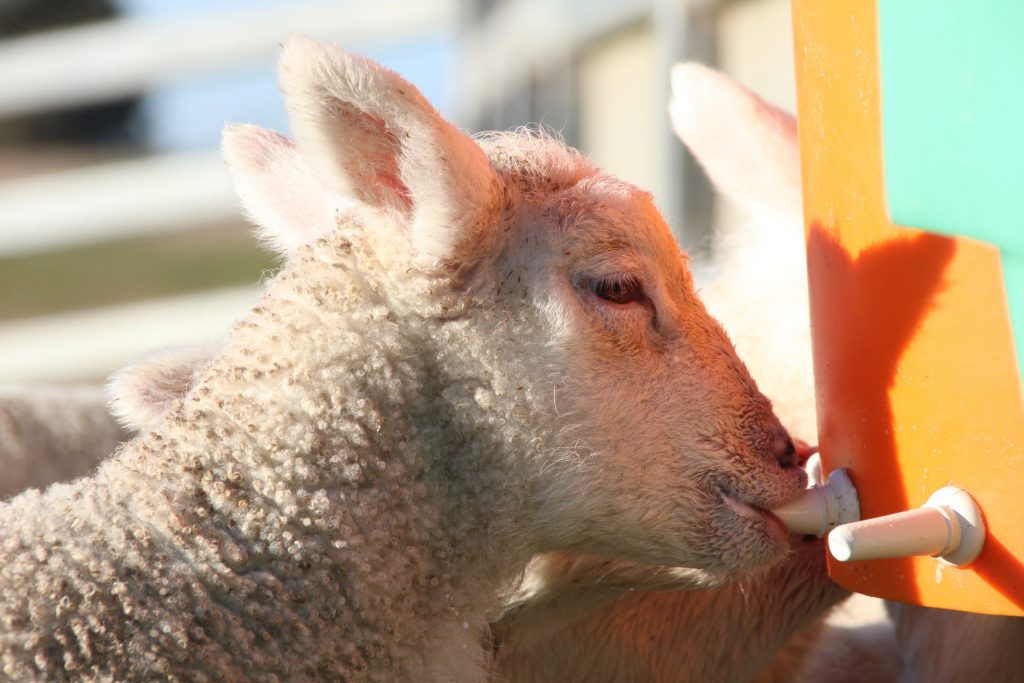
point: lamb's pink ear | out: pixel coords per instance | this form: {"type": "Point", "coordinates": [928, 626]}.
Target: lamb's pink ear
{"type": "Point", "coordinates": [276, 188]}
{"type": "Point", "coordinates": [370, 135]}
{"type": "Point", "coordinates": [140, 394]}
{"type": "Point", "coordinates": [748, 147]}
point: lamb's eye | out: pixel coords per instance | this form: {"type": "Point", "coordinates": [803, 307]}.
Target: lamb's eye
{"type": "Point", "coordinates": [618, 290]}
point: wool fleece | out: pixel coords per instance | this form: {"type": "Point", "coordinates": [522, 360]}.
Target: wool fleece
{"type": "Point", "coordinates": [475, 352]}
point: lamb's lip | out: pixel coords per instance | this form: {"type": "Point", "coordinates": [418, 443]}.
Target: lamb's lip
{"type": "Point", "coordinates": [747, 510]}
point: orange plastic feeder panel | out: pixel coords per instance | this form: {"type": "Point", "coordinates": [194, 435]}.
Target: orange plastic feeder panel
{"type": "Point", "coordinates": [915, 371]}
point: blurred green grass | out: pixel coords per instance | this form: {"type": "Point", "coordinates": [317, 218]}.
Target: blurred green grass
{"type": "Point", "coordinates": [130, 270]}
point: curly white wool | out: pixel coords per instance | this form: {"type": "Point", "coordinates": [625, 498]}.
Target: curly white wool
{"type": "Point", "coordinates": [431, 391]}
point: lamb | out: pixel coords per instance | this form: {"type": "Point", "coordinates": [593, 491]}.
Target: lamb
{"type": "Point", "coordinates": [943, 646]}
{"type": "Point", "coordinates": [697, 633]}
{"type": "Point", "coordinates": [476, 352]}
{"type": "Point", "coordinates": [765, 259]}
{"type": "Point", "coordinates": [767, 625]}
{"type": "Point", "coordinates": [52, 434]}
{"type": "Point", "coordinates": [750, 152]}
{"type": "Point", "coordinates": [528, 637]}
{"type": "Point", "coordinates": [62, 432]}
{"type": "Point", "coordinates": [643, 631]}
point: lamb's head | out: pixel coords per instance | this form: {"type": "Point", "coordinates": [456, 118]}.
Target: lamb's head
{"type": "Point", "coordinates": [557, 290]}
{"type": "Point", "coordinates": [664, 440]}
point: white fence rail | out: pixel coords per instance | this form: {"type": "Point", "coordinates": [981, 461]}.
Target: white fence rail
{"type": "Point", "coordinates": [174, 192]}
{"type": "Point", "coordinates": [109, 59]}
{"type": "Point", "coordinates": [87, 345]}
{"type": "Point", "coordinates": [158, 194]}
{"type": "Point", "coordinates": [123, 57]}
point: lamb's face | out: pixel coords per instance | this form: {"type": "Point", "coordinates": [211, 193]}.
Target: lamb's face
{"type": "Point", "coordinates": [656, 445]}
{"type": "Point", "coordinates": [665, 444]}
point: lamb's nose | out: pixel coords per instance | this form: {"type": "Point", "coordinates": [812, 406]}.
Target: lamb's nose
{"type": "Point", "coordinates": [784, 450]}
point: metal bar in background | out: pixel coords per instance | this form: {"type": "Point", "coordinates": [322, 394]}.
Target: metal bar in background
{"type": "Point", "coordinates": [106, 60]}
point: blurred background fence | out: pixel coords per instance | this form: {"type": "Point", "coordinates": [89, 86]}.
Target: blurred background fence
{"type": "Point", "coordinates": [119, 232]}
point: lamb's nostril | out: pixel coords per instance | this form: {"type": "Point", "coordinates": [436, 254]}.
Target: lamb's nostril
{"type": "Point", "coordinates": [785, 451]}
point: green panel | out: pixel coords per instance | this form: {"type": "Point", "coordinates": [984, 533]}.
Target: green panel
{"type": "Point", "coordinates": [953, 116]}
{"type": "Point", "coordinates": [953, 125]}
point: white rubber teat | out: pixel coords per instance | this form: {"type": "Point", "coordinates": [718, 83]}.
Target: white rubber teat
{"type": "Point", "coordinates": [949, 526]}
{"type": "Point", "coordinates": [822, 507]}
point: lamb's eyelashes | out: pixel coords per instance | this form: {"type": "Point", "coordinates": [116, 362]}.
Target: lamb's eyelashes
{"type": "Point", "coordinates": [618, 289]}
{"type": "Point", "coordinates": [624, 301]}
{"type": "Point", "coordinates": [619, 301]}
{"type": "Point", "coordinates": [615, 289]}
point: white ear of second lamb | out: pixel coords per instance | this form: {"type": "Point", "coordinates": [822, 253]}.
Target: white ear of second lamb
{"type": "Point", "coordinates": [758, 289]}
{"type": "Point", "coordinates": [370, 135]}
{"type": "Point", "coordinates": [748, 147]}
{"type": "Point", "coordinates": [140, 394]}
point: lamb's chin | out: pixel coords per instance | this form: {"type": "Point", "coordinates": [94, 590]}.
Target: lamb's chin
{"type": "Point", "coordinates": [752, 512]}
{"type": "Point", "coordinates": [759, 536]}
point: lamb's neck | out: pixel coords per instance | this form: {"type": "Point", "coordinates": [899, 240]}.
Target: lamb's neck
{"type": "Point", "coordinates": [361, 465]}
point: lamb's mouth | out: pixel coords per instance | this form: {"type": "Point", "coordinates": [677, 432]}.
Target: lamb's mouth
{"type": "Point", "coordinates": [742, 508]}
